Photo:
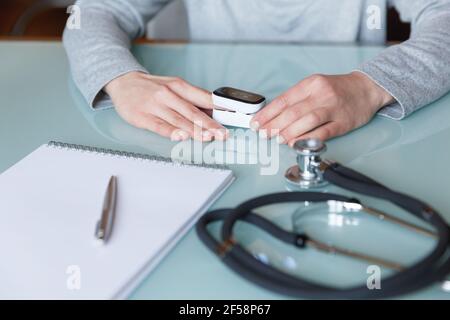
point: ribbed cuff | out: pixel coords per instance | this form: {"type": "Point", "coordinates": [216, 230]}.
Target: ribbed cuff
{"type": "Point", "coordinates": [99, 99]}
{"type": "Point", "coordinates": [98, 53]}
{"type": "Point", "coordinates": [397, 110]}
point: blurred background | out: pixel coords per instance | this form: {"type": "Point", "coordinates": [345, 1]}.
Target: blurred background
{"type": "Point", "coordinates": [45, 19]}
{"type": "Point", "coordinates": [33, 18]}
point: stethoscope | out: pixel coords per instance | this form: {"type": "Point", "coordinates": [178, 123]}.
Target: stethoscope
{"type": "Point", "coordinates": [311, 172]}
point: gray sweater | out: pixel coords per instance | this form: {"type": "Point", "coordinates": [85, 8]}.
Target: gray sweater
{"type": "Point", "coordinates": [415, 72]}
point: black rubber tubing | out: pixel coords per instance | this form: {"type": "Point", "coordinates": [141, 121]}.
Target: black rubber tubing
{"type": "Point", "coordinates": [422, 274]}
{"type": "Point", "coordinates": [419, 209]}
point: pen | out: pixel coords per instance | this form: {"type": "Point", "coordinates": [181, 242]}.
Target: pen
{"type": "Point", "coordinates": [104, 226]}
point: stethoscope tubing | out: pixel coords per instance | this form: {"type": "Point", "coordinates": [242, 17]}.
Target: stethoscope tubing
{"type": "Point", "coordinates": [434, 267]}
{"type": "Point", "coordinates": [340, 177]}
{"type": "Point", "coordinates": [414, 206]}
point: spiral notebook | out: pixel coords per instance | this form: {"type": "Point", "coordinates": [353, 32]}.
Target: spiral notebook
{"type": "Point", "coordinates": [50, 203]}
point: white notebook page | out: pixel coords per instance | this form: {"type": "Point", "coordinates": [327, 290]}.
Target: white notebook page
{"type": "Point", "coordinates": [50, 203]}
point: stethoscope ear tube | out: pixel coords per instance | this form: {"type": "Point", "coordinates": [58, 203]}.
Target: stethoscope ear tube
{"type": "Point", "coordinates": [339, 176]}
{"type": "Point", "coordinates": [354, 181]}
{"type": "Point", "coordinates": [434, 267]}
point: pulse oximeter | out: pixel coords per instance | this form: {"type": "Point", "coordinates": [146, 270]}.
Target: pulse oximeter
{"type": "Point", "coordinates": [234, 107]}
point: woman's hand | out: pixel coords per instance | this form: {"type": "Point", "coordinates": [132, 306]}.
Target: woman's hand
{"type": "Point", "coordinates": [167, 106]}
{"type": "Point", "coordinates": [322, 107]}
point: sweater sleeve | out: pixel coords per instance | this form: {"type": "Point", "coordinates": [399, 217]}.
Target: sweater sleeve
{"type": "Point", "coordinates": [416, 72]}
{"type": "Point", "coordinates": [99, 51]}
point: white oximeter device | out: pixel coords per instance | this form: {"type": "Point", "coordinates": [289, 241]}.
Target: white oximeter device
{"type": "Point", "coordinates": [234, 107]}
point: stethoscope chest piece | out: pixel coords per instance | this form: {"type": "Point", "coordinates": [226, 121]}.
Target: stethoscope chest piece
{"type": "Point", "coordinates": [308, 172]}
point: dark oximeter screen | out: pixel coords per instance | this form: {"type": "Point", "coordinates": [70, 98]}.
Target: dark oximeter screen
{"type": "Point", "coordinates": [239, 95]}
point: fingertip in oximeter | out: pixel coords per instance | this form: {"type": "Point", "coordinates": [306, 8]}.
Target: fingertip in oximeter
{"type": "Point", "coordinates": [234, 107]}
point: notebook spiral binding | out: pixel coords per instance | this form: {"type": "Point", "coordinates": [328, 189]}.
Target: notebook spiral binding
{"type": "Point", "coordinates": [133, 155]}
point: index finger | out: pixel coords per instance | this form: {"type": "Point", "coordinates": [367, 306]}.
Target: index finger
{"type": "Point", "coordinates": [196, 116]}
{"type": "Point", "coordinates": [290, 97]}
{"type": "Point", "coordinates": [197, 96]}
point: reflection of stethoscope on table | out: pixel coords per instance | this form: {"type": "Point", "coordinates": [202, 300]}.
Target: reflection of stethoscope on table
{"type": "Point", "coordinates": [313, 172]}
